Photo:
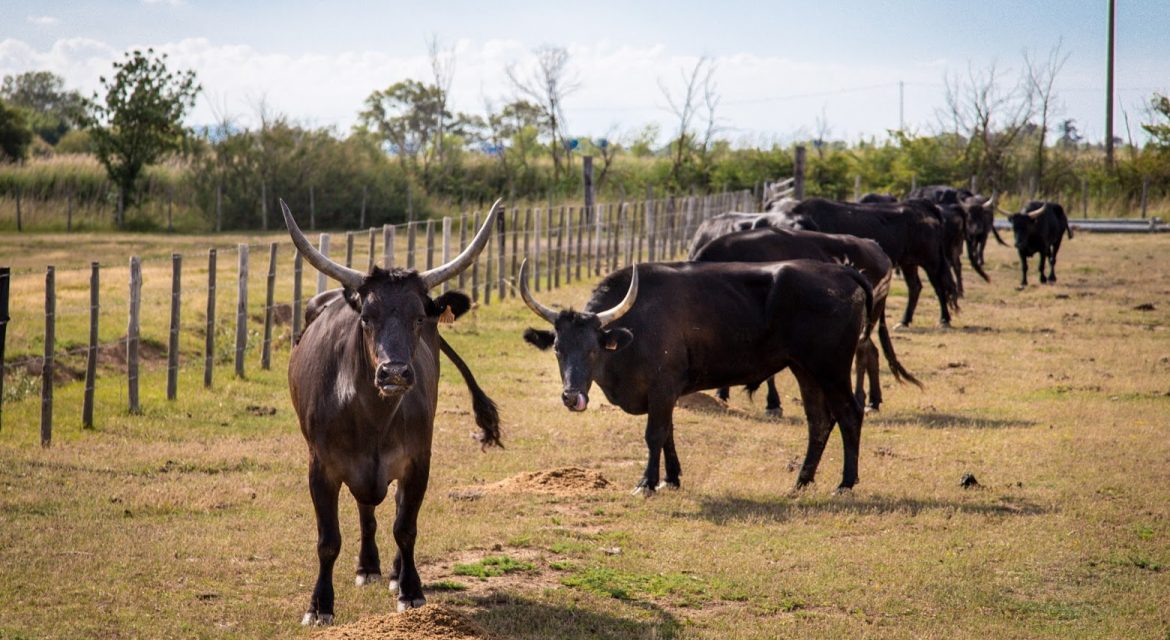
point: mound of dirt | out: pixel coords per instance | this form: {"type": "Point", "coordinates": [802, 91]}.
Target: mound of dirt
{"type": "Point", "coordinates": [431, 621]}
{"type": "Point", "coordinates": [701, 402]}
{"type": "Point", "coordinates": [563, 481]}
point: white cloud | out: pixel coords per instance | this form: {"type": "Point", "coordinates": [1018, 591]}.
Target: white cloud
{"type": "Point", "coordinates": [43, 21]}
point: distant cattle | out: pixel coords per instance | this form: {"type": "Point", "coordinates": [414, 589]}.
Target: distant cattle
{"type": "Point", "coordinates": [364, 378]}
{"type": "Point", "coordinates": [777, 245]}
{"type": "Point", "coordinates": [720, 225]}
{"type": "Point", "coordinates": [978, 213]}
{"type": "Point", "coordinates": [653, 333]}
{"type": "Point", "coordinates": [1038, 228]}
{"type": "Point", "coordinates": [911, 233]}
{"type": "Point", "coordinates": [878, 198]}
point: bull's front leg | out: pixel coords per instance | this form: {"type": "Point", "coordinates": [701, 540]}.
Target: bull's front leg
{"type": "Point", "coordinates": [1043, 264]}
{"type": "Point", "coordinates": [1023, 270]}
{"type": "Point", "coordinates": [772, 408]}
{"type": "Point", "coordinates": [369, 567]}
{"type": "Point", "coordinates": [324, 493]}
{"type": "Point", "coordinates": [658, 435]}
{"type": "Point", "coordinates": [408, 498]}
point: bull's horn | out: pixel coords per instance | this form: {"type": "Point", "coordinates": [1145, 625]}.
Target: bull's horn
{"type": "Point", "coordinates": [1037, 212]}
{"type": "Point", "coordinates": [351, 278]}
{"type": "Point", "coordinates": [611, 315]}
{"type": "Point", "coordinates": [1006, 213]}
{"type": "Point", "coordinates": [434, 277]}
{"type": "Point", "coordinates": [537, 308]}
{"type": "Point", "coordinates": [991, 201]}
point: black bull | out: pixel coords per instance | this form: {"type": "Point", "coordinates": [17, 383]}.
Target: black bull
{"type": "Point", "coordinates": [1038, 229]}
{"type": "Point", "coordinates": [701, 326]}
{"type": "Point", "coordinates": [364, 382]}
{"type": "Point", "coordinates": [777, 245]}
{"type": "Point", "coordinates": [911, 233]}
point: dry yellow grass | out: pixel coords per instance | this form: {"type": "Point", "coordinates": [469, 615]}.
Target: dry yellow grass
{"type": "Point", "coordinates": [194, 519]}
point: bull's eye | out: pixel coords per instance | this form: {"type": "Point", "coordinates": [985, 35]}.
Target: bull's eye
{"type": "Point", "coordinates": [365, 320]}
{"type": "Point", "coordinates": [419, 321]}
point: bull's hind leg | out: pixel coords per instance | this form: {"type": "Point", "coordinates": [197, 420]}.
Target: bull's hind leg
{"type": "Point", "coordinates": [723, 393]}
{"type": "Point", "coordinates": [913, 290]}
{"type": "Point", "coordinates": [324, 493]}
{"type": "Point", "coordinates": [1052, 262]}
{"type": "Point", "coordinates": [847, 412]}
{"type": "Point", "coordinates": [670, 461]}
{"type": "Point", "coordinates": [820, 425]}
{"type": "Point", "coordinates": [867, 367]}
{"type": "Point", "coordinates": [773, 408]}
{"type": "Point", "coordinates": [369, 567]}
{"type": "Point", "coordinates": [408, 499]}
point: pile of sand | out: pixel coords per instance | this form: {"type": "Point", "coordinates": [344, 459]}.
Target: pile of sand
{"type": "Point", "coordinates": [563, 481]}
{"type": "Point", "coordinates": [432, 621]}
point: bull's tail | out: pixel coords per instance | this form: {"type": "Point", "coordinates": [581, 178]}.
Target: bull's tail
{"type": "Point", "coordinates": [487, 417]}
{"type": "Point", "coordinates": [900, 372]}
{"type": "Point", "coordinates": [863, 282]}
{"type": "Point", "coordinates": [950, 286]}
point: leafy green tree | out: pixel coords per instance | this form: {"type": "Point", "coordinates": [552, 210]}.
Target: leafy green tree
{"type": "Point", "coordinates": [52, 111]}
{"type": "Point", "coordinates": [1159, 129]}
{"type": "Point", "coordinates": [140, 118]}
{"type": "Point", "coordinates": [407, 117]}
{"type": "Point", "coordinates": [15, 135]}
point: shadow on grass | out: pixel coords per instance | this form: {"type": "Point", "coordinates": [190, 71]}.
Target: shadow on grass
{"type": "Point", "coordinates": [514, 617]}
{"type": "Point", "coordinates": [725, 509]}
{"type": "Point", "coordinates": [939, 420]}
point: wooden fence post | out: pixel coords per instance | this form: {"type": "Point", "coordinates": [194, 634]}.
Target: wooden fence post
{"type": "Point", "coordinates": [475, 264]}
{"type": "Point", "coordinates": [218, 207]}
{"type": "Point", "coordinates": [1084, 198]}
{"type": "Point", "coordinates": [298, 268]}
{"type": "Point", "coordinates": [323, 247]}
{"type": "Point", "coordinates": [1145, 194]}
{"type": "Point", "coordinates": [349, 249]}
{"type": "Point", "coordinates": [549, 250]}
{"type": "Point", "coordinates": [462, 246]}
{"type": "Point", "coordinates": [410, 242]}
{"type": "Point", "coordinates": [560, 247]}
{"type": "Point", "coordinates": [371, 249]}
{"type": "Point", "coordinates": [798, 174]}
{"type": "Point", "coordinates": [857, 187]}
{"type": "Point", "coordinates": [567, 229]}
{"type": "Point", "coordinates": [5, 287]}
{"type": "Point", "coordinates": [527, 240]}
{"type": "Point", "coordinates": [209, 340]}
{"type": "Point", "coordinates": [19, 222]}
{"type": "Point", "coordinates": [581, 231]}
{"type": "Point", "coordinates": [242, 311]}
{"type": "Point", "coordinates": [362, 216]}
{"type": "Point", "coordinates": [446, 244]}
{"type": "Point", "coordinates": [537, 216]}
{"type": "Point", "coordinates": [173, 337]}
{"type": "Point", "coordinates": [312, 209]}
{"type": "Point", "coordinates": [487, 281]}
{"type": "Point", "coordinates": [388, 239]}
{"type": "Point", "coordinates": [47, 368]}
{"type": "Point", "coordinates": [132, 329]}
{"type": "Point", "coordinates": [502, 238]}
{"type": "Point", "coordinates": [270, 290]}
{"type": "Point", "coordinates": [515, 272]}
{"type": "Point", "coordinates": [263, 207]}
{"type": "Point", "coordinates": [430, 244]}
{"type": "Point", "coordinates": [91, 352]}
{"type": "Point", "coordinates": [650, 222]}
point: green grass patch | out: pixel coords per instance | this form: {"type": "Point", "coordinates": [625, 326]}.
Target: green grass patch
{"type": "Point", "coordinates": [685, 589]}
{"type": "Point", "coordinates": [492, 566]}
{"type": "Point", "coordinates": [446, 585]}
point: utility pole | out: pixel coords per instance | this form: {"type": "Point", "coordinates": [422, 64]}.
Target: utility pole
{"type": "Point", "coordinates": [1109, 91]}
{"type": "Point", "coordinates": [901, 106]}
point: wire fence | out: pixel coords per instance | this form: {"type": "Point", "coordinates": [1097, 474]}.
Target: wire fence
{"type": "Point", "coordinates": [240, 304]}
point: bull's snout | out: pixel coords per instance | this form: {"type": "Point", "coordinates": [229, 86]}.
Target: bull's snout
{"type": "Point", "coordinates": [393, 378]}
{"type": "Point", "coordinates": [574, 400]}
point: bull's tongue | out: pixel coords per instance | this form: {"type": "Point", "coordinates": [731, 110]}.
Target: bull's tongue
{"type": "Point", "coordinates": [581, 402]}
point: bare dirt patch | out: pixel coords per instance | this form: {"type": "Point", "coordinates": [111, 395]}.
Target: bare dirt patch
{"type": "Point", "coordinates": [565, 481]}
{"type": "Point", "coordinates": [431, 621]}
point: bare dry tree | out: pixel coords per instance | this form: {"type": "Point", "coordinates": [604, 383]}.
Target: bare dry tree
{"type": "Point", "coordinates": [699, 91]}
{"type": "Point", "coordinates": [987, 117]}
{"type": "Point", "coordinates": [1040, 77]}
{"type": "Point", "coordinates": [548, 85]}
{"type": "Point", "coordinates": [442, 74]}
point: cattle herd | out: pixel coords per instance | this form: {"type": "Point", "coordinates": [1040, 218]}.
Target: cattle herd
{"type": "Point", "coordinates": [801, 286]}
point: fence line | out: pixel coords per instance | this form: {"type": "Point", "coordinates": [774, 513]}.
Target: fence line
{"type": "Point", "coordinates": [562, 244]}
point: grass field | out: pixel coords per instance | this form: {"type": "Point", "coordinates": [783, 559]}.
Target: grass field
{"type": "Point", "coordinates": [194, 520]}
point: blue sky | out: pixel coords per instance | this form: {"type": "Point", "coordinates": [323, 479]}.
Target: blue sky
{"type": "Point", "coordinates": [782, 67]}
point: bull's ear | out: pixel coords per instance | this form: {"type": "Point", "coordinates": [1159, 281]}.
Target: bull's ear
{"type": "Point", "coordinates": [540, 339]}
{"type": "Point", "coordinates": [457, 302]}
{"type": "Point", "coordinates": [352, 298]}
{"type": "Point", "coordinates": [616, 339]}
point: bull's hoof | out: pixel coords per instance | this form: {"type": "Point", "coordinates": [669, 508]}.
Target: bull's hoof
{"type": "Point", "coordinates": [667, 484]}
{"type": "Point", "coordinates": [843, 491]}
{"type": "Point", "coordinates": [363, 579]}
{"type": "Point", "coordinates": [644, 490]}
{"type": "Point", "coordinates": [944, 324]}
{"type": "Point", "coordinates": [777, 413]}
{"type": "Point", "coordinates": [872, 408]}
{"type": "Point", "coordinates": [410, 603]}
{"type": "Point", "coordinates": [393, 585]}
{"type": "Point", "coordinates": [314, 619]}
{"type": "Point", "coordinates": [901, 325]}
